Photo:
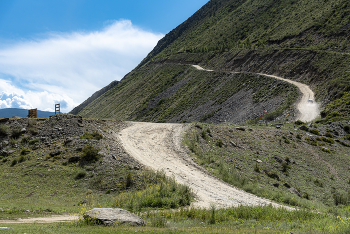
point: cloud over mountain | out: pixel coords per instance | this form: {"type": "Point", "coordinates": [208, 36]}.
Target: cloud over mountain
{"type": "Point", "coordinates": [69, 67]}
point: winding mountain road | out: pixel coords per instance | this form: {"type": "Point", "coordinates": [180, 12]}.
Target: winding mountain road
{"type": "Point", "coordinates": [158, 146]}
{"type": "Point", "coordinates": [308, 111]}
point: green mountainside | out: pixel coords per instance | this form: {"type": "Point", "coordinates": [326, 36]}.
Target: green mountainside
{"type": "Point", "coordinates": [302, 40]}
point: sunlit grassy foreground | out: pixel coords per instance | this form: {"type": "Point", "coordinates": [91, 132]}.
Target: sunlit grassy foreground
{"type": "Point", "coordinates": [234, 220]}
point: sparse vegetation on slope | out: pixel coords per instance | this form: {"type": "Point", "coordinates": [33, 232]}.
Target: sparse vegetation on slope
{"type": "Point", "coordinates": [184, 94]}
{"type": "Point", "coordinates": [285, 165]}
{"type": "Point", "coordinates": [300, 40]}
{"type": "Point", "coordinates": [69, 162]}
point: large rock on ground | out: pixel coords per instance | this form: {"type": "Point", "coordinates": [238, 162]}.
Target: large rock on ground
{"type": "Point", "coordinates": [108, 216]}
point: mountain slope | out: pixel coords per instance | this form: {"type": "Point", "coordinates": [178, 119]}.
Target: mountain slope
{"type": "Point", "coordinates": [96, 95]}
{"type": "Point", "coordinates": [306, 41]}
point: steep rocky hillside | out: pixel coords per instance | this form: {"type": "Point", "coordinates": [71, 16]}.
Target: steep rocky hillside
{"type": "Point", "coordinates": [301, 40]}
{"type": "Point", "coordinates": [96, 95]}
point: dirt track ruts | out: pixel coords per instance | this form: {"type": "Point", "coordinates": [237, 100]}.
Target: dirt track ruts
{"type": "Point", "coordinates": [307, 111]}
{"type": "Point", "coordinates": [158, 146]}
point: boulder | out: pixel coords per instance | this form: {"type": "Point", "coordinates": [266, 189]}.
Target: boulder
{"type": "Point", "coordinates": [278, 159]}
{"type": "Point", "coordinates": [108, 216]}
{"type": "Point", "coordinates": [68, 140]}
{"type": "Point", "coordinates": [303, 127]}
{"type": "Point", "coordinates": [74, 159]}
{"type": "Point", "coordinates": [240, 128]}
{"type": "Point", "coordinates": [55, 153]}
{"type": "Point", "coordinates": [293, 190]}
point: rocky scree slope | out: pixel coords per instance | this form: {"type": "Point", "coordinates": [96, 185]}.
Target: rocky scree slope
{"type": "Point", "coordinates": [303, 40]}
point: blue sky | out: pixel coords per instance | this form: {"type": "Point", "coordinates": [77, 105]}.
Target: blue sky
{"type": "Point", "coordinates": [64, 50]}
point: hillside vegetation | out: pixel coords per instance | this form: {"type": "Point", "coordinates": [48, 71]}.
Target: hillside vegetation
{"type": "Point", "coordinates": [300, 40]}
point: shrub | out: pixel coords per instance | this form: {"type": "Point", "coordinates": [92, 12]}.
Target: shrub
{"type": "Point", "coordinates": [14, 162]}
{"type": "Point", "coordinates": [340, 199]}
{"type": "Point", "coordinates": [34, 141]}
{"type": "Point", "coordinates": [298, 136]}
{"type": "Point", "coordinates": [347, 128]}
{"type": "Point", "coordinates": [16, 132]}
{"type": "Point", "coordinates": [306, 195]}
{"type": "Point", "coordinates": [3, 130]}
{"type": "Point", "coordinates": [128, 181]}
{"type": "Point", "coordinates": [22, 159]}
{"type": "Point", "coordinates": [204, 135]}
{"type": "Point", "coordinates": [326, 150]}
{"type": "Point", "coordinates": [33, 131]}
{"type": "Point", "coordinates": [219, 143]}
{"type": "Point", "coordinates": [318, 183]}
{"type": "Point", "coordinates": [25, 151]}
{"type": "Point", "coordinates": [256, 168]}
{"type": "Point", "coordinates": [299, 122]}
{"type": "Point", "coordinates": [90, 154]}
{"type": "Point", "coordinates": [166, 194]}
{"type": "Point", "coordinates": [328, 134]}
{"type": "Point", "coordinates": [314, 131]}
{"type": "Point", "coordinates": [311, 142]}
{"type": "Point", "coordinates": [347, 137]}
{"type": "Point", "coordinates": [80, 175]}
{"type": "Point", "coordinates": [13, 142]}
{"type": "Point", "coordinates": [328, 140]}
{"type": "Point", "coordinates": [91, 136]}
{"type": "Point", "coordinates": [31, 122]}
{"type": "Point", "coordinates": [285, 167]}
{"type": "Point", "coordinates": [25, 140]}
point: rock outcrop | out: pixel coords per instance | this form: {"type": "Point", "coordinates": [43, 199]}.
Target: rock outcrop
{"type": "Point", "coordinates": [109, 216]}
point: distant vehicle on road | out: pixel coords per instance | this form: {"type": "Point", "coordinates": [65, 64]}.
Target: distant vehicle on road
{"type": "Point", "coordinates": [310, 101]}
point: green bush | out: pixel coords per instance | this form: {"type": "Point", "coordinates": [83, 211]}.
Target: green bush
{"type": "Point", "coordinates": [16, 132]}
{"type": "Point", "coordinates": [328, 140]}
{"type": "Point", "coordinates": [91, 136]}
{"type": "Point", "coordinates": [33, 131]}
{"type": "Point", "coordinates": [34, 141]}
{"type": "Point", "coordinates": [347, 128]}
{"type": "Point", "coordinates": [80, 175]}
{"type": "Point", "coordinates": [204, 135]}
{"type": "Point", "coordinates": [90, 154]}
{"type": "Point", "coordinates": [219, 143]}
{"type": "Point", "coordinates": [299, 122]}
{"type": "Point", "coordinates": [25, 151]}
{"type": "Point", "coordinates": [326, 150]}
{"type": "Point", "coordinates": [314, 131]}
{"type": "Point", "coordinates": [14, 162]}
{"type": "Point", "coordinates": [25, 140]}
{"type": "Point", "coordinates": [22, 159]}
{"type": "Point", "coordinates": [310, 142]}
{"type": "Point", "coordinates": [128, 181]}
{"type": "Point", "coordinates": [328, 134]}
{"type": "Point", "coordinates": [318, 183]}
{"type": "Point", "coordinates": [3, 130]}
{"type": "Point", "coordinates": [13, 141]}
{"type": "Point", "coordinates": [166, 194]}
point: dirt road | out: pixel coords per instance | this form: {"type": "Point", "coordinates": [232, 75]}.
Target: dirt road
{"type": "Point", "coordinates": [48, 219]}
{"type": "Point", "coordinates": [308, 111]}
{"type": "Point", "coordinates": [158, 146]}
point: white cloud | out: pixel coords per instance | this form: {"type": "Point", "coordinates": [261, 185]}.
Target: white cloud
{"type": "Point", "coordinates": [69, 67]}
